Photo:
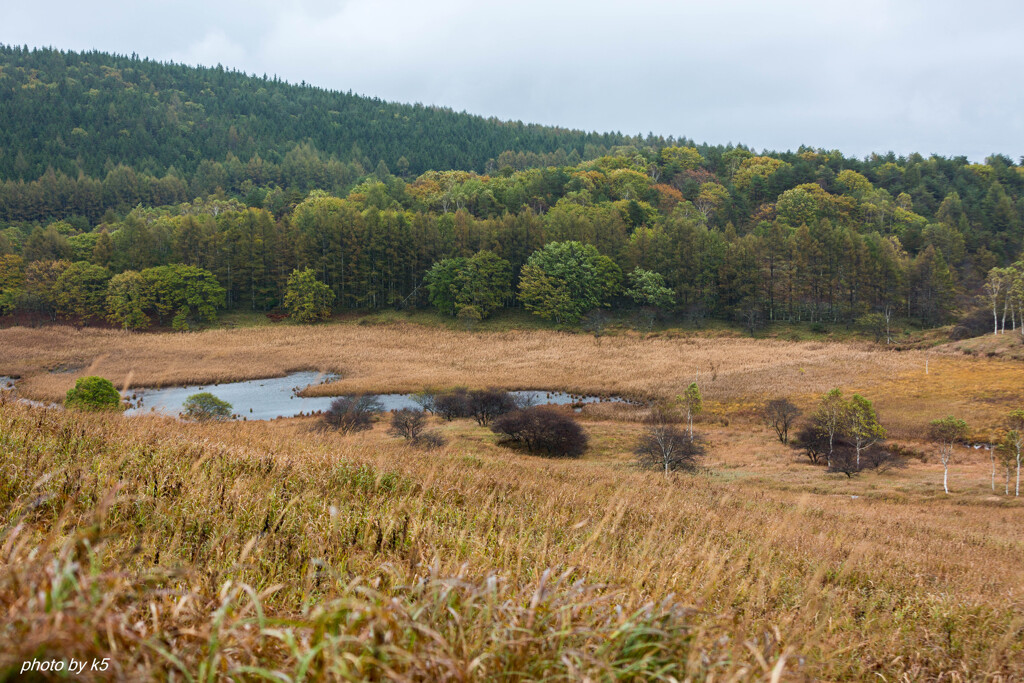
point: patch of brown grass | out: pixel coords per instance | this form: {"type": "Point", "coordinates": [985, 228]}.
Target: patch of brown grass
{"type": "Point", "coordinates": [409, 357]}
{"type": "Point", "coordinates": [736, 374]}
{"type": "Point", "coordinates": [221, 547]}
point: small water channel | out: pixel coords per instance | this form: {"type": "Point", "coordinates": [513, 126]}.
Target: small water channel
{"type": "Point", "coordinates": [266, 399]}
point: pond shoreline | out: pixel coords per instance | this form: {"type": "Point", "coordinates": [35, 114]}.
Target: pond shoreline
{"type": "Point", "coordinates": [283, 397]}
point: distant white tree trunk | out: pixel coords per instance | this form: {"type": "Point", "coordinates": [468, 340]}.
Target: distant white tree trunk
{"type": "Point", "coordinates": [992, 454]}
{"type": "Point", "coordinates": [1017, 492]}
{"type": "Point", "coordinates": [946, 455]}
{"type": "Point", "coordinates": [994, 287]}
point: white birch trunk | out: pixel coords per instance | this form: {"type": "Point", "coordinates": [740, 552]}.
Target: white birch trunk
{"type": "Point", "coordinates": [992, 454]}
{"type": "Point", "coordinates": [1017, 492]}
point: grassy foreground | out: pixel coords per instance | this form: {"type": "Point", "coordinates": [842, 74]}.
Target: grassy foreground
{"type": "Point", "coordinates": [273, 551]}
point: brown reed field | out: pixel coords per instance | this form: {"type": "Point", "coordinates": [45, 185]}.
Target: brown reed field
{"type": "Point", "coordinates": [736, 374]}
{"type": "Point", "coordinates": [277, 551]}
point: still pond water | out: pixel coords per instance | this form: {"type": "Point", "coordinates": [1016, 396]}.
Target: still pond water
{"type": "Point", "coordinates": [266, 399]}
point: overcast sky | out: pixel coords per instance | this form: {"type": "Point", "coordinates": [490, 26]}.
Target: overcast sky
{"type": "Point", "coordinates": [932, 76]}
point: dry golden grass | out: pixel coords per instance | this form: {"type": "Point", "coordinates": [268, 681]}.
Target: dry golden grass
{"type": "Point", "coordinates": [757, 561]}
{"type": "Point", "coordinates": [761, 563]}
{"type": "Point", "coordinates": [1008, 345]}
{"type": "Point", "coordinates": [407, 357]}
{"type": "Point", "coordinates": [736, 375]}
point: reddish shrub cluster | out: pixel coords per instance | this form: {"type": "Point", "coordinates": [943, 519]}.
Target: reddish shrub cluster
{"type": "Point", "coordinates": [483, 405]}
{"type": "Point", "coordinates": [543, 430]}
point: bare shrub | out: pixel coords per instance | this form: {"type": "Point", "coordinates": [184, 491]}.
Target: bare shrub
{"type": "Point", "coordinates": [542, 430]}
{"type": "Point", "coordinates": [430, 440]}
{"type": "Point", "coordinates": [525, 400]}
{"type": "Point", "coordinates": [452, 404]}
{"type": "Point", "coordinates": [844, 459]}
{"type": "Point", "coordinates": [779, 414]}
{"type": "Point", "coordinates": [486, 404]}
{"type": "Point", "coordinates": [812, 442]}
{"type": "Point", "coordinates": [352, 413]}
{"type": "Point", "coordinates": [666, 445]}
{"type": "Point", "coordinates": [408, 423]}
{"type": "Point", "coordinates": [884, 457]}
{"type": "Point", "coordinates": [425, 400]}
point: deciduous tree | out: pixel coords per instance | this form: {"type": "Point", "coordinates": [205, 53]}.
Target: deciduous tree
{"type": "Point", "coordinates": [127, 300]}
{"type": "Point", "coordinates": [779, 414]}
{"type": "Point", "coordinates": [947, 432]}
{"type": "Point", "coordinates": [81, 290]}
{"type": "Point", "coordinates": [307, 299]}
{"type": "Point", "coordinates": [692, 404]}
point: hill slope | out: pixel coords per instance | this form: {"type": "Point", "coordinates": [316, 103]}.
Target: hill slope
{"type": "Point", "coordinates": [85, 111]}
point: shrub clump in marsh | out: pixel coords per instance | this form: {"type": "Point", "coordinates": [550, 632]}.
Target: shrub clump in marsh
{"type": "Point", "coordinates": [349, 414]}
{"type": "Point", "coordinates": [483, 405]}
{"type": "Point", "coordinates": [542, 430]}
{"type": "Point", "coordinates": [93, 393]}
{"type": "Point", "coordinates": [412, 425]}
{"type": "Point", "coordinates": [204, 406]}
{"type": "Point", "coordinates": [408, 423]}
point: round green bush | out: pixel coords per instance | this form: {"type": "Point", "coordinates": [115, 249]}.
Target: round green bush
{"type": "Point", "coordinates": [93, 393]}
{"type": "Point", "coordinates": [205, 406]}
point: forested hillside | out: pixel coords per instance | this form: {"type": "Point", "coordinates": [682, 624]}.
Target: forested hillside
{"type": "Point", "coordinates": [120, 165]}
{"type": "Point", "coordinates": [87, 112]}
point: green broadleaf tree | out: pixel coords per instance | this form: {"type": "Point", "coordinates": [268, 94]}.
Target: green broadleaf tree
{"type": "Point", "coordinates": [127, 300]}
{"type": "Point", "coordinates": [564, 280]}
{"type": "Point", "coordinates": [307, 299]}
